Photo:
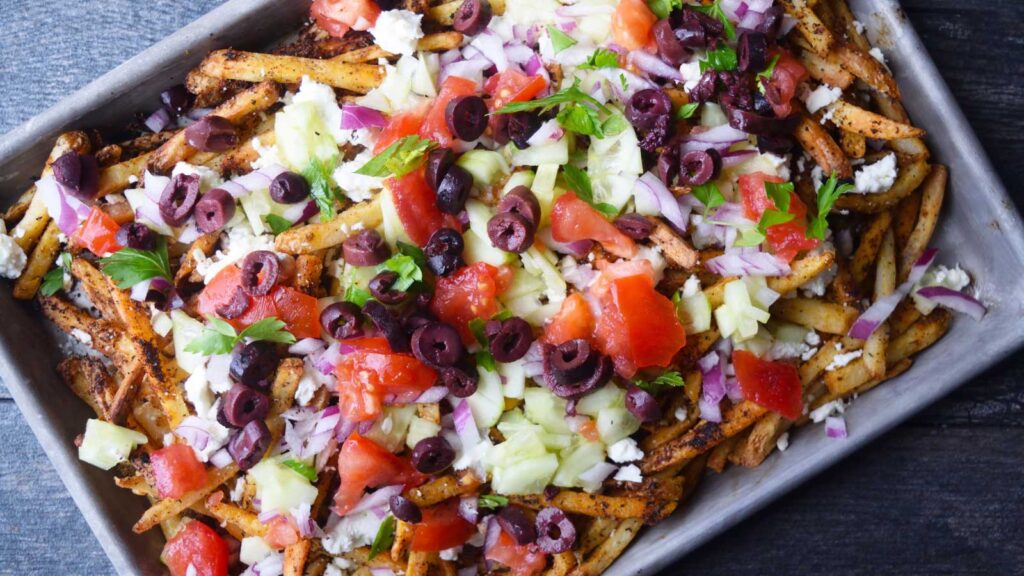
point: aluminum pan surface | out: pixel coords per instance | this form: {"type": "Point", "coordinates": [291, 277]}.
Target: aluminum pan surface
{"type": "Point", "coordinates": [987, 239]}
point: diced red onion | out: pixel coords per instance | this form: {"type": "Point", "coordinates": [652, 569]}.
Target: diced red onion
{"type": "Point", "coordinates": [598, 473]}
{"type": "Point", "coordinates": [732, 390]}
{"type": "Point", "coordinates": [432, 395]}
{"type": "Point", "coordinates": [329, 359]}
{"type": "Point", "coordinates": [533, 361]}
{"type": "Point", "coordinates": [723, 134]}
{"type": "Point", "coordinates": [653, 65]}
{"type": "Point", "coordinates": [740, 10]}
{"type": "Point", "coordinates": [877, 313]}
{"type": "Point", "coordinates": [153, 185]}
{"type": "Point", "coordinates": [567, 26]}
{"type": "Point", "coordinates": [578, 248]}
{"type": "Point", "coordinates": [730, 159]}
{"type": "Point", "coordinates": [465, 426]}
{"type": "Point", "coordinates": [356, 117]}
{"type": "Point", "coordinates": [221, 458]}
{"type": "Point", "coordinates": [519, 54]}
{"type": "Point", "coordinates": [731, 213]}
{"type": "Point", "coordinates": [189, 232]}
{"type": "Point", "coordinates": [194, 431]}
{"type": "Point", "coordinates": [324, 457]}
{"type": "Point", "coordinates": [267, 516]}
{"type": "Point", "coordinates": [376, 499]}
{"type": "Point", "coordinates": [954, 300]}
{"type": "Point", "coordinates": [653, 197]}
{"type": "Point", "coordinates": [491, 534]}
{"type": "Point", "coordinates": [344, 430]}
{"type": "Point", "coordinates": [751, 20]}
{"type": "Point", "coordinates": [307, 346]}
{"type": "Point", "coordinates": [490, 45]}
{"type": "Point", "coordinates": [634, 82]}
{"type": "Point", "coordinates": [365, 427]}
{"type": "Point", "coordinates": [140, 290]}
{"type": "Point", "coordinates": [64, 208]}
{"type": "Point", "coordinates": [696, 145]}
{"type": "Point", "coordinates": [158, 121]}
{"type": "Point", "coordinates": [257, 179]}
{"type": "Point", "coordinates": [197, 114]}
{"type": "Point", "coordinates": [747, 262]}
{"type": "Point", "coordinates": [472, 69]}
{"type": "Point", "coordinates": [549, 131]}
{"type": "Point", "coordinates": [533, 65]}
{"type": "Point", "coordinates": [469, 509]}
{"type": "Point", "coordinates": [577, 10]}
{"type": "Point", "coordinates": [712, 387]}
{"type": "Point", "coordinates": [835, 427]}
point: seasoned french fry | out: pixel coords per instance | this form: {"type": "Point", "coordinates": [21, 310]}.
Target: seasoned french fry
{"type": "Point", "coordinates": [820, 145]}
{"type": "Point", "coordinates": [933, 190]}
{"type": "Point", "coordinates": [909, 149]}
{"type": "Point", "coordinates": [320, 235]}
{"type": "Point", "coordinates": [117, 177]}
{"type": "Point", "coordinates": [818, 314]}
{"type": "Point", "coordinates": [89, 380]}
{"type": "Point", "coordinates": [865, 67]}
{"type": "Point", "coordinates": [17, 210]}
{"type": "Point", "coordinates": [874, 351]}
{"type": "Point", "coordinates": [295, 556]}
{"type": "Point", "coordinates": [105, 337]}
{"type": "Point", "coordinates": [885, 272]}
{"type": "Point", "coordinates": [764, 434]}
{"type": "Point", "coordinates": [443, 488]}
{"type": "Point", "coordinates": [167, 508]}
{"type": "Point", "coordinates": [703, 437]}
{"type": "Point", "coordinates": [308, 271]}
{"type": "Point", "coordinates": [438, 42]}
{"type": "Point", "coordinates": [918, 336]}
{"type": "Point", "coordinates": [854, 145]}
{"type": "Point", "coordinates": [859, 121]}
{"type": "Point", "coordinates": [255, 67]}
{"type": "Point", "coordinates": [419, 564]}
{"type": "Point", "coordinates": [802, 271]}
{"type": "Point", "coordinates": [810, 27]}
{"type": "Point", "coordinates": [676, 250]}
{"type": "Point", "coordinates": [226, 513]}
{"type": "Point", "coordinates": [870, 243]}
{"type": "Point", "coordinates": [909, 178]}
{"type": "Point", "coordinates": [610, 549]}
{"type": "Point", "coordinates": [39, 263]}
{"type": "Point", "coordinates": [827, 69]}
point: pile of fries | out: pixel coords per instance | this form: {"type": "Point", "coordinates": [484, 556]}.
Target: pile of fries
{"type": "Point", "coordinates": [133, 379]}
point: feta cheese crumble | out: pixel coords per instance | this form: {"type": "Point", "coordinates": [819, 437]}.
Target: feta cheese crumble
{"type": "Point", "coordinates": [12, 257]}
{"type": "Point", "coordinates": [877, 177]}
{"type": "Point", "coordinates": [840, 360]}
{"type": "Point", "coordinates": [625, 450]}
{"type": "Point", "coordinates": [783, 442]}
{"type": "Point", "coordinates": [629, 473]}
{"type": "Point", "coordinates": [876, 53]}
{"type": "Point", "coordinates": [821, 97]}
{"type": "Point", "coordinates": [397, 31]}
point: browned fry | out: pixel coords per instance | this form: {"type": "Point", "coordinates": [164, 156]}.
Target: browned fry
{"type": "Point", "coordinates": [438, 42]}
{"type": "Point", "coordinates": [320, 235]}
{"type": "Point", "coordinates": [843, 289]}
{"type": "Point", "coordinates": [918, 336]}
{"type": "Point", "coordinates": [820, 145]}
{"type": "Point", "coordinates": [403, 538]}
{"type": "Point", "coordinates": [874, 351]}
{"type": "Point", "coordinates": [844, 380]}
{"type": "Point", "coordinates": [589, 504]}
{"type": "Point", "coordinates": [89, 380]}
{"type": "Point", "coordinates": [120, 211]}
{"type": "Point", "coordinates": [703, 437]}
{"type": "Point", "coordinates": [609, 549]}
{"type": "Point", "coordinates": [254, 99]}
{"type": "Point", "coordinates": [561, 564]}
{"type": "Point", "coordinates": [207, 90]}
{"type": "Point", "coordinates": [909, 178]}
{"type": "Point", "coordinates": [827, 70]}
{"type": "Point", "coordinates": [419, 563]}
{"type": "Point", "coordinates": [663, 434]}
{"type": "Point", "coordinates": [117, 177]}
{"type": "Point", "coordinates": [909, 149]}
{"type": "Point", "coordinates": [811, 369]}
{"type": "Point", "coordinates": [719, 456]}
{"type": "Point", "coordinates": [202, 246]}
{"type": "Point", "coordinates": [844, 21]}
{"type": "Point", "coordinates": [595, 531]}
{"type": "Point", "coordinates": [904, 315]}
{"type": "Point", "coordinates": [239, 160]}
{"type": "Point", "coordinates": [39, 263]}
{"type": "Point", "coordinates": [109, 154]}
{"type": "Point", "coordinates": [810, 27]}
{"type": "Point", "coordinates": [226, 513]}
{"type": "Point", "coordinates": [126, 390]}
{"type": "Point", "coordinates": [860, 121]}
{"type": "Point", "coordinates": [361, 556]}
{"type": "Point", "coordinates": [308, 271]}
{"type": "Point", "coordinates": [802, 271]}
{"type": "Point", "coordinates": [820, 315]}
{"type": "Point", "coordinates": [865, 67]}
{"type": "Point", "coordinates": [864, 256]}
{"type": "Point", "coordinates": [905, 218]}
{"type": "Point", "coordinates": [440, 489]}
{"type": "Point", "coordinates": [171, 507]}
{"type": "Point", "coordinates": [676, 250]}
{"type": "Point", "coordinates": [282, 391]}
{"type": "Point", "coordinates": [144, 143]}
{"type": "Point", "coordinates": [885, 272]}
{"type": "Point", "coordinates": [933, 190]}
{"type": "Point", "coordinates": [854, 145]}
{"type": "Point", "coordinates": [295, 556]}
{"type": "Point", "coordinates": [763, 437]}
{"type": "Point", "coordinates": [96, 288]}
{"type": "Point", "coordinates": [106, 337]}
{"type": "Point", "coordinates": [256, 67]}
{"type": "Point", "coordinates": [442, 13]}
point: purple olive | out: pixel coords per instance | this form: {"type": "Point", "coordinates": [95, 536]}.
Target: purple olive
{"type": "Point", "coordinates": [437, 345]}
{"type": "Point", "coordinates": [753, 123]}
{"type": "Point", "coordinates": [669, 47]}
{"type": "Point", "coordinates": [517, 524]}
{"type": "Point", "coordinates": [668, 164]}
{"type": "Point", "coordinates": [472, 17]}
{"type": "Point", "coordinates": [752, 51]}
{"type": "Point", "coordinates": [342, 320]}
{"type": "Point", "coordinates": [572, 369]}
{"type": "Point", "coordinates": [705, 88]}
{"type": "Point", "coordinates": [555, 531]}
{"type": "Point", "coordinates": [642, 404]}
{"type": "Point", "coordinates": [179, 198]}
{"type": "Point", "coordinates": [432, 455]}
{"type": "Point", "coordinates": [382, 288]}
{"type": "Point", "coordinates": [214, 210]}
{"type": "Point", "coordinates": [236, 306]}
{"type": "Point", "coordinates": [521, 127]}
{"type": "Point", "coordinates": [775, 144]}
{"type": "Point", "coordinates": [461, 381]}
{"type": "Point", "coordinates": [510, 232]}
{"type": "Point", "coordinates": [636, 226]}
{"type": "Point", "coordinates": [367, 248]}
{"type": "Point", "coordinates": [522, 201]}
{"type": "Point", "coordinates": [389, 325]}
{"type": "Point", "coordinates": [510, 339]}
{"type": "Point", "coordinates": [466, 117]}
{"type": "Point", "coordinates": [289, 188]}
{"type": "Point", "coordinates": [699, 166]}
{"type": "Point", "coordinates": [772, 22]}
{"type": "Point", "coordinates": [212, 133]}
{"type": "Point", "coordinates": [453, 191]}
{"type": "Point", "coordinates": [657, 135]}
{"type": "Point", "coordinates": [404, 509]}
{"type": "Point", "coordinates": [135, 235]}
{"type": "Point", "coordinates": [439, 161]}
{"type": "Point", "coordinates": [646, 106]}
{"type": "Point", "coordinates": [249, 444]}
{"type": "Point", "coordinates": [241, 405]}
{"type": "Point", "coordinates": [260, 272]}
{"type": "Point", "coordinates": [444, 251]}
{"type": "Point", "coordinates": [177, 99]}
{"type": "Point", "coordinates": [77, 173]}
{"type": "Point", "coordinates": [254, 364]}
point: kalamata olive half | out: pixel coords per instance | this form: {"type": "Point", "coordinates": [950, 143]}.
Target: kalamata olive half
{"type": "Point", "coordinates": [517, 524]}
{"type": "Point", "coordinates": [461, 381]}
{"type": "Point", "coordinates": [249, 444]}
{"type": "Point", "coordinates": [772, 22]}
{"type": "Point", "coordinates": [699, 166]}
{"type": "Point", "coordinates": [510, 232]}
{"type": "Point", "coordinates": [367, 248]}
{"type": "Point", "coordinates": [668, 164]}
{"type": "Point", "coordinates": [521, 200]}
{"type": "Point", "coordinates": [472, 17]}
{"type": "Point", "coordinates": [78, 174]}
{"type": "Point", "coordinates": [214, 210]}
{"type": "Point", "coordinates": [509, 339]}
{"type": "Point", "coordinates": [177, 99]}
{"type": "Point", "coordinates": [670, 48]}
{"type": "Point", "coordinates": [439, 161]}
{"type": "Point", "coordinates": [342, 320]}
{"type": "Point", "coordinates": [522, 126]}
{"type": "Point", "coordinates": [573, 360]}
{"type": "Point", "coordinates": [567, 377]}
{"type": "Point", "coordinates": [646, 106]}
{"type": "Point", "coordinates": [466, 117]}
{"type": "Point", "coordinates": [705, 88]}
{"type": "Point", "coordinates": [753, 123]}
{"type": "Point", "coordinates": [260, 272]}
{"type": "Point", "coordinates": [136, 235]}
{"type": "Point", "coordinates": [404, 509]}
{"type": "Point", "coordinates": [555, 531]}
{"type": "Point", "coordinates": [212, 133]}
{"type": "Point", "coordinates": [236, 306]}
{"type": "Point", "coordinates": [241, 405]}
{"type": "Point", "coordinates": [444, 251]}
{"type": "Point", "coordinates": [752, 51]}
{"type": "Point", "coordinates": [254, 364]}
{"type": "Point", "coordinates": [382, 288]}
{"type": "Point", "coordinates": [437, 345]}
{"type": "Point", "coordinates": [389, 325]}
{"type": "Point", "coordinates": [453, 191]}
{"type": "Point", "coordinates": [289, 188]}
{"type": "Point", "coordinates": [432, 455]}
{"type": "Point", "coordinates": [636, 226]}
{"type": "Point", "coordinates": [642, 404]}
{"type": "Point", "coordinates": [179, 198]}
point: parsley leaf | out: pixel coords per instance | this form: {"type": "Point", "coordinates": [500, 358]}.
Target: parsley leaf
{"type": "Point", "coordinates": [779, 193]}
{"type": "Point", "coordinates": [270, 329]}
{"type": "Point", "coordinates": [715, 11]}
{"type": "Point", "coordinates": [277, 223]}
{"type": "Point", "coordinates": [829, 192]}
{"type": "Point", "coordinates": [662, 8]}
{"type": "Point", "coordinates": [53, 281]}
{"type": "Point", "coordinates": [129, 266]}
{"type": "Point", "coordinates": [302, 469]}
{"type": "Point", "coordinates": [581, 115]}
{"type": "Point", "coordinates": [624, 82]}
{"type": "Point", "coordinates": [413, 252]}
{"type": "Point", "coordinates": [219, 337]}
{"type": "Point", "coordinates": [476, 328]}
{"type": "Point", "coordinates": [672, 378]}
{"type": "Point", "coordinates": [687, 110]}
{"type": "Point", "coordinates": [405, 266]}
{"type": "Point", "coordinates": [722, 59]}
{"type": "Point", "coordinates": [601, 58]}
{"type": "Point", "coordinates": [321, 186]}
{"type": "Point", "coordinates": [579, 182]}
{"type": "Point", "coordinates": [491, 501]}
{"type": "Point", "coordinates": [484, 359]}
{"type": "Point", "coordinates": [709, 195]}
{"type": "Point", "coordinates": [385, 537]}
{"type": "Point", "coordinates": [402, 157]}
{"type": "Point", "coordinates": [766, 74]}
{"type": "Point", "coordinates": [757, 235]}
{"type": "Point", "coordinates": [357, 295]}
{"type": "Point", "coordinates": [559, 40]}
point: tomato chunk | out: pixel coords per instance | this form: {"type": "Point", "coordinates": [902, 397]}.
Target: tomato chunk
{"type": "Point", "coordinates": [785, 80]}
{"type": "Point", "coordinates": [573, 219]}
{"type": "Point", "coordinates": [401, 125]}
{"type": "Point", "coordinates": [773, 385]}
{"type": "Point", "coordinates": [513, 86]}
{"type": "Point", "coordinates": [638, 326]}
{"type": "Point", "coordinates": [416, 204]}
{"type": "Point", "coordinates": [523, 559]}
{"type": "Point", "coordinates": [785, 240]}
{"type": "Point", "coordinates": [632, 23]}
{"type": "Point", "coordinates": [573, 320]}
{"type": "Point", "coordinates": [97, 234]}
{"type": "Point", "coordinates": [298, 311]}
{"type": "Point", "coordinates": [176, 471]}
{"type": "Point", "coordinates": [435, 127]}
{"type": "Point", "coordinates": [198, 546]}
{"type": "Point", "coordinates": [295, 308]}
{"type": "Point", "coordinates": [441, 528]}
{"type": "Point", "coordinates": [371, 372]}
{"type": "Point", "coordinates": [471, 292]}
{"type": "Point", "coordinates": [281, 532]}
{"type": "Point", "coordinates": [336, 17]}
{"type": "Point", "coordinates": [363, 464]}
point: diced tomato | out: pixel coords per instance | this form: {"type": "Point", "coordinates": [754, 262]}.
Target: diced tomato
{"type": "Point", "coordinates": [573, 320]}
{"type": "Point", "coordinates": [471, 292]}
{"type": "Point", "coordinates": [295, 308]}
{"type": "Point", "coordinates": [612, 271]}
{"type": "Point", "coordinates": [281, 532]}
{"type": "Point", "coordinates": [638, 326]}
{"type": "Point", "coordinates": [588, 429]}
{"type": "Point", "coordinates": [435, 127]}
{"type": "Point", "coordinates": [632, 24]}
{"type": "Point", "coordinates": [782, 86]}
{"type": "Point", "coordinates": [371, 372]}
{"type": "Point", "coordinates": [513, 86]}
{"type": "Point", "coordinates": [441, 528]}
{"type": "Point", "coordinates": [97, 234]}
{"type": "Point", "coordinates": [298, 311]}
{"type": "Point", "coordinates": [416, 204]}
{"type": "Point", "coordinates": [176, 470]}
{"type": "Point", "coordinates": [523, 559]}
{"type": "Point", "coordinates": [336, 17]}
{"type": "Point", "coordinates": [363, 464]}
{"type": "Point", "coordinates": [785, 240]}
{"type": "Point", "coordinates": [573, 219]}
{"type": "Point", "coordinates": [401, 125]}
{"type": "Point", "coordinates": [773, 385]}
{"type": "Point", "coordinates": [199, 546]}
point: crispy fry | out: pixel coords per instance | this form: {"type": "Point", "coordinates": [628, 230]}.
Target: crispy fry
{"type": "Point", "coordinates": [204, 245]}
{"type": "Point", "coordinates": [419, 564]}
{"type": "Point", "coordinates": [918, 336]}
{"type": "Point", "coordinates": [443, 488]}
{"type": "Point", "coordinates": [909, 178]}
{"type": "Point", "coordinates": [255, 67]}
{"type": "Point", "coordinates": [870, 243]}
{"type": "Point", "coordinates": [802, 271]}
{"type": "Point", "coordinates": [227, 513]}
{"type": "Point", "coordinates": [719, 455]}
{"type": "Point", "coordinates": [854, 145]}
{"type": "Point", "coordinates": [909, 149]}
{"type": "Point", "coordinates": [703, 437]}
{"type": "Point", "coordinates": [865, 67]}
{"type": "Point", "coordinates": [313, 237]}
{"type": "Point", "coordinates": [105, 337]}
{"type": "Point", "coordinates": [610, 549]}
{"type": "Point", "coordinates": [810, 27]}
{"type": "Point", "coordinates": [17, 210]}
{"type": "Point", "coordinates": [89, 380]}
{"type": "Point", "coordinates": [676, 250]}
{"type": "Point", "coordinates": [859, 121]}
{"type": "Point", "coordinates": [167, 508]}
{"type": "Point", "coordinates": [818, 314]}
{"type": "Point", "coordinates": [885, 272]}
{"type": "Point", "coordinates": [827, 70]}
{"type": "Point", "coordinates": [933, 190]}
{"type": "Point", "coordinates": [820, 145]}
{"type": "Point", "coordinates": [438, 42]}
{"type": "Point", "coordinates": [295, 556]}
{"type": "Point", "coordinates": [39, 263]}
{"type": "Point", "coordinates": [117, 177]}
{"type": "Point", "coordinates": [764, 435]}
{"type": "Point", "coordinates": [36, 217]}
{"type": "Point", "coordinates": [308, 271]}
{"type": "Point", "coordinates": [874, 351]}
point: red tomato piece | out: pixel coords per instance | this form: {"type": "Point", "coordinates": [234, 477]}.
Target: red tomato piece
{"type": "Point", "coordinates": [441, 528]}
{"type": "Point", "coordinates": [298, 311]}
{"type": "Point", "coordinates": [632, 23]}
{"type": "Point", "coordinates": [199, 546]}
{"type": "Point", "coordinates": [513, 86]}
{"type": "Point", "coordinates": [97, 234]}
{"type": "Point", "coordinates": [363, 464]}
{"type": "Point", "coordinates": [782, 86]}
{"type": "Point", "coordinates": [371, 372]}
{"type": "Point", "coordinates": [573, 219]}
{"type": "Point", "coordinates": [773, 385]}
{"type": "Point", "coordinates": [416, 204]}
{"type": "Point", "coordinates": [523, 559]}
{"type": "Point", "coordinates": [281, 532]}
{"type": "Point", "coordinates": [435, 127]}
{"type": "Point", "coordinates": [401, 125]}
{"type": "Point", "coordinates": [573, 320]}
{"type": "Point", "coordinates": [638, 326]}
{"type": "Point", "coordinates": [295, 308]}
{"type": "Point", "coordinates": [785, 240]}
{"type": "Point", "coordinates": [471, 292]}
{"type": "Point", "coordinates": [176, 471]}
{"type": "Point", "coordinates": [336, 17]}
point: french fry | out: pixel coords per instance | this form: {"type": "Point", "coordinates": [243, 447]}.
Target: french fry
{"type": "Point", "coordinates": [859, 121]}
{"type": "Point", "coordinates": [610, 549]}
{"type": "Point", "coordinates": [117, 177]}
{"type": "Point", "coordinates": [864, 256]}
{"type": "Point", "coordinates": [817, 314]}
{"type": "Point", "coordinates": [719, 455]}
{"type": "Point", "coordinates": [295, 556]}
{"type": "Point", "coordinates": [902, 318]}
{"type": "Point", "coordinates": [17, 210]}
{"type": "Point", "coordinates": [403, 539]}
{"type": "Point", "coordinates": [909, 149]}
{"type": "Point", "coordinates": [106, 337]}
{"type": "Point", "coordinates": [419, 564]}
{"type": "Point", "coordinates": [201, 247]}
{"type": "Point", "coordinates": [854, 145]}
{"type": "Point", "coordinates": [764, 435]}
{"type": "Point", "coordinates": [874, 351]}
{"type": "Point", "coordinates": [933, 190]}
{"type": "Point", "coordinates": [169, 507]}
{"type": "Point", "coordinates": [810, 27]}
{"type": "Point", "coordinates": [255, 67]}
{"type": "Point", "coordinates": [596, 505]}
{"type": "Point", "coordinates": [909, 178]}
{"type": "Point", "coordinates": [438, 42]}
{"type": "Point", "coordinates": [39, 263]}
{"type": "Point", "coordinates": [703, 437]}
{"type": "Point", "coordinates": [676, 250]}
{"type": "Point", "coordinates": [320, 235]}
{"type": "Point", "coordinates": [802, 271]}
{"type": "Point", "coordinates": [885, 271]}
{"type": "Point", "coordinates": [905, 218]}
{"type": "Point", "coordinates": [226, 513]}
{"type": "Point", "coordinates": [89, 380]}
{"type": "Point", "coordinates": [918, 336]}
{"type": "Point", "coordinates": [827, 70]}
{"type": "Point", "coordinates": [865, 67]}
{"type": "Point", "coordinates": [308, 272]}
{"type": "Point", "coordinates": [443, 488]}
{"type": "Point", "coordinates": [820, 145]}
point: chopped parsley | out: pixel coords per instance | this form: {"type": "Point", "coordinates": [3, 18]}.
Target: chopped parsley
{"type": "Point", "coordinates": [321, 185]}
{"type": "Point", "coordinates": [491, 501]}
{"type": "Point", "coordinates": [559, 40]}
{"type": "Point", "coordinates": [687, 110]}
{"type": "Point", "coordinates": [671, 378]}
{"type": "Point", "coordinates": [579, 182]}
{"type": "Point", "coordinates": [278, 224]}
{"type": "Point", "coordinates": [483, 357]}
{"type": "Point", "coordinates": [302, 469]}
{"type": "Point", "coordinates": [709, 195]}
{"type": "Point", "coordinates": [385, 537]}
{"type": "Point", "coordinates": [715, 11]}
{"type": "Point", "coordinates": [356, 295]}
{"type": "Point", "coordinates": [581, 114]}
{"type": "Point", "coordinates": [219, 337]}
{"type": "Point", "coordinates": [129, 266]}
{"type": "Point", "coordinates": [722, 59]}
{"type": "Point", "coordinates": [398, 159]}
{"type": "Point", "coordinates": [662, 8]}
{"type": "Point", "coordinates": [53, 281]}
{"type": "Point", "coordinates": [829, 192]}
{"type": "Point", "coordinates": [766, 74]}
{"type": "Point", "coordinates": [601, 58]}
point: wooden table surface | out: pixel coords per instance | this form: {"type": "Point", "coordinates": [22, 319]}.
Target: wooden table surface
{"type": "Point", "coordinates": [941, 494]}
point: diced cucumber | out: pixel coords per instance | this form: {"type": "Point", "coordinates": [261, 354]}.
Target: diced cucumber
{"type": "Point", "coordinates": [105, 445]}
{"type": "Point", "coordinates": [695, 313]}
{"type": "Point", "coordinates": [419, 429]}
{"type": "Point", "coordinates": [520, 178]}
{"type": "Point", "coordinates": [480, 249]}
{"type": "Point", "coordinates": [486, 166]}
{"type": "Point", "coordinates": [577, 460]}
{"type": "Point", "coordinates": [186, 329]}
{"type": "Point", "coordinates": [525, 477]}
{"type": "Point", "coordinates": [524, 442]}
{"type": "Point", "coordinates": [279, 488]}
{"type": "Point", "coordinates": [488, 402]}
{"type": "Point", "coordinates": [513, 377]}
{"type": "Point", "coordinates": [137, 197]}
{"type": "Point", "coordinates": [556, 152]}
{"type": "Point", "coordinates": [544, 189]}
{"type": "Point", "coordinates": [615, 423]}
{"type": "Point", "coordinates": [389, 430]}
{"type": "Point", "coordinates": [257, 205]}
{"type": "Point", "coordinates": [605, 397]}
{"type": "Point", "coordinates": [301, 136]}
{"type": "Point", "coordinates": [391, 224]}
{"type": "Point", "coordinates": [546, 409]}
{"type": "Point", "coordinates": [789, 332]}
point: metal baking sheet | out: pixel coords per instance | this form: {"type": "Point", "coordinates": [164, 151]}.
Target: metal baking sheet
{"type": "Point", "coordinates": [983, 234]}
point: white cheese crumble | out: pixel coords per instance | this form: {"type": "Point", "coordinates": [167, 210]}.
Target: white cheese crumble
{"type": "Point", "coordinates": [816, 286]}
{"type": "Point", "coordinates": [82, 336]}
{"type": "Point", "coordinates": [208, 179]}
{"type": "Point", "coordinates": [691, 287]}
{"type": "Point", "coordinates": [397, 31]}
{"type": "Point", "coordinates": [235, 495]}
{"type": "Point", "coordinates": [821, 97]}
{"type": "Point", "coordinates": [840, 360]}
{"type": "Point", "coordinates": [312, 380]}
{"type": "Point", "coordinates": [953, 278]}
{"type": "Point", "coordinates": [238, 243]}
{"type": "Point", "coordinates": [351, 532]}
{"type": "Point", "coordinates": [877, 177]}
{"type": "Point", "coordinates": [783, 442]}
{"type": "Point", "coordinates": [858, 26]}
{"type": "Point", "coordinates": [357, 187]}
{"type": "Point", "coordinates": [625, 450]}
{"type": "Point", "coordinates": [691, 74]}
{"type": "Point", "coordinates": [680, 414]}
{"type": "Point", "coordinates": [828, 409]}
{"type": "Point", "coordinates": [12, 258]}
{"type": "Point", "coordinates": [340, 566]}
{"type": "Point", "coordinates": [876, 53]}
{"type": "Point", "coordinates": [253, 550]}
{"type": "Point", "coordinates": [779, 163]}
{"type": "Point", "coordinates": [629, 474]}
{"type": "Point", "coordinates": [450, 554]}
